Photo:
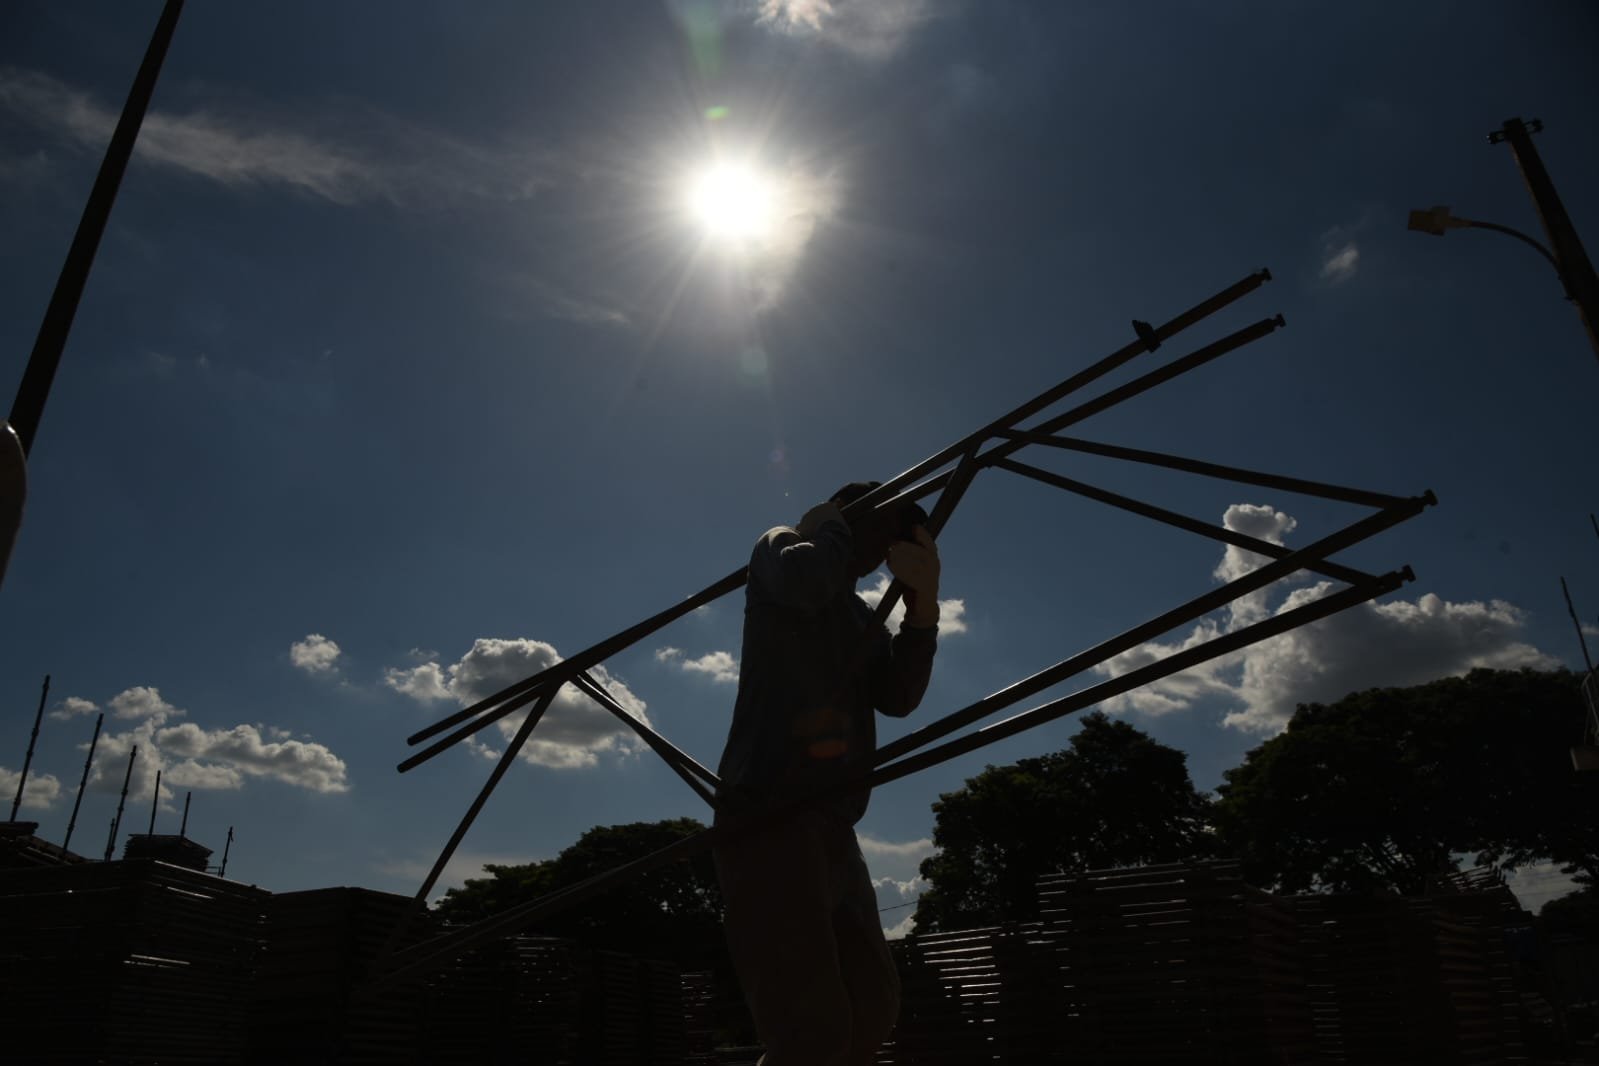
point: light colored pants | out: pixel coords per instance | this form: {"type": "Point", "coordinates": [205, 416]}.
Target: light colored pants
{"type": "Point", "coordinates": [806, 942]}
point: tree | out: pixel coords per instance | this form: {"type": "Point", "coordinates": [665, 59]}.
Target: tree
{"type": "Point", "coordinates": [674, 913]}
{"type": "Point", "coordinates": [1113, 797]}
{"type": "Point", "coordinates": [1380, 791]}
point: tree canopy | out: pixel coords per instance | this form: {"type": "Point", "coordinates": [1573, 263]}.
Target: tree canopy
{"type": "Point", "coordinates": [1380, 791]}
{"type": "Point", "coordinates": [674, 913]}
{"type": "Point", "coordinates": [1113, 797]}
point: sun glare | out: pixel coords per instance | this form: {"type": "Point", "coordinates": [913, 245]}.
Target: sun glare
{"type": "Point", "coordinates": [732, 202]}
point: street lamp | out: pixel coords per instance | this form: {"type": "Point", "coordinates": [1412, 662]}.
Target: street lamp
{"type": "Point", "coordinates": [1567, 256]}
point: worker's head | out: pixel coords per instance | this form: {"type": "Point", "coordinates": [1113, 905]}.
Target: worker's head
{"type": "Point", "coordinates": [873, 533]}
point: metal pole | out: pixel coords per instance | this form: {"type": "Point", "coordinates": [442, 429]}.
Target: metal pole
{"type": "Point", "coordinates": [116, 823]}
{"type": "Point", "coordinates": [1577, 623]}
{"type": "Point", "coordinates": [88, 762]}
{"type": "Point", "coordinates": [453, 944]}
{"type": "Point", "coordinates": [183, 829]}
{"type": "Point", "coordinates": [222, 871]}
{"type": "Point", "coordinates": [515, 696]}
{"type": "Point", "coordinates": [1576, 271]}
{"type": "Point", "coordinates": [32, 740]}
{"type": "Point", "coordinates": [28, 407]}
{"type": "Point", "coordinates": [1148, 340]}
{"type": "Point", "coordinates": [155, 802]}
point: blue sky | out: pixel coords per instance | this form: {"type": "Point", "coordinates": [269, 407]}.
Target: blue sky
{"type": "Point", "coordinates": [406, 365]}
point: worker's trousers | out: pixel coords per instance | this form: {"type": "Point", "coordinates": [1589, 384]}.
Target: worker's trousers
{"type": "Point", "coordinates": [803, 928]}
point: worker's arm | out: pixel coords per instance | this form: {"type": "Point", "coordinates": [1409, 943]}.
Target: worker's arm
{"type": "Point", "coordinates": [805, 567]}
{"type": "Point", "coordinates": [903, 664]}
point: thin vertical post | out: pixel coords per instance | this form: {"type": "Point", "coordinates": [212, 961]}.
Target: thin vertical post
{"type": "Point", "coordinates": [1576, 624]}
{"type": "Point", "coordinates": [88, 762]}
{"type": "Point", "coordinates": [110, 839]}
{"type": "Point", "coordinates": [1576, 271]}
{"type": "Point", "coordinates": [222, 871]}
{"type": "Point", "coordinates": [116, 823]}
{"type": "Point", "coordinates": [155, 801]}
{"type": "Point", "coordinates": [183, 829]}
{"type": "Point", "coordinates": [32, 740]}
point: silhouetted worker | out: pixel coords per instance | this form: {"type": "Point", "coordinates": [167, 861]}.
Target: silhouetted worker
{"type": "Point", "coordinates": [801, 918]}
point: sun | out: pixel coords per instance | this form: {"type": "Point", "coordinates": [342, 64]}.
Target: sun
{"type": "Point", "coordinates": [732, 202]}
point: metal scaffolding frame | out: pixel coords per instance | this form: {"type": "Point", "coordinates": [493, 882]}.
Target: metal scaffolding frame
{"type": "Point", "coordinates": [948, 473]}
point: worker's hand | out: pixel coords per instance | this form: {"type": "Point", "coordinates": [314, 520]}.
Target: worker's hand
{"type": "Point", "coordinates": [917, 568]}
{"type": "Point", "coordinates": [816, 516]}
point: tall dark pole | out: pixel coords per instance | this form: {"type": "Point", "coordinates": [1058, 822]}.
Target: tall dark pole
{"type": "Point", "coordinates": [222, 871]}
{"type": "Point", "coordinates": [116, 823]}
{"type": "Point", "coordinates": [32, 740]}
{"type": "Point", "coordinates": [1576, 271]}
{"type": "Point", "coordinates": [183, 829]}
{"type": "Point", "coordinates": [16, 438]}
{"type": "Point", "coordinates": [155, 802]}
{"type": "Point", "coordinates": [88, 762]}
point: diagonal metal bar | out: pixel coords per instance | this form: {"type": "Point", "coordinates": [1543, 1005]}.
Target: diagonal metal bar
{"type": "Point", "coordinates": [1148, 340]}
{"type": "Point", "coordinates": [434, 952]}
{"type": "Point", "coordinates": [1195, 608]}
{"type": "Point", "coordinates": [1016, 441]}
{"type": "Point", "coordinates": [1171, 518]}
{"type": "Point", "coordinates": [521, 692]}
{"type": "Point", "coordinates": [680, 761]}
{"type": "Point", "coordinates": [1177, 662]}
{"type": "Point", "coordinates": [1215, 470]}
{"type": "Point", "coordinates": [960, 480]}
{"type": "Point", "coordinates": [506, 759]}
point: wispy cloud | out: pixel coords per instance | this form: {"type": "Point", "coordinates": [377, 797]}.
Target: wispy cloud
{"type": "Point", "coordinates": [870, 29]}
{"type": "Point", "coordinates": [551, 301]}
{"type": "Point", "coordinates": [370, 157]}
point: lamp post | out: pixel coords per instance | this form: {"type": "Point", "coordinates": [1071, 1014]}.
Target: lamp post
{"type": "Point", "coordinates": [1564, 252]}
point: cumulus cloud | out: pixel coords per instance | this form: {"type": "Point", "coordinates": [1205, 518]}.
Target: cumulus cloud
{"type": "Point", "coordinates": [315, 654]}
{"type": "Point", "coordinates": [190, 756]}
{"type": "Point", "coordinates": [951, 613]}
{"type": "Point", "coordinates": [717, 665]}
{"type": "Point", "coordinates": [368, 157]}
{"type": "Point", "coordinates": [39, 794]}
{"type": "Point", "coordinates": [575, 730]}
{"type": "Point", "coordinates": [72, 707]}
{"type": "Point", "coordinates": [869, 29]}
{"type": "Point", "coordinates": [896, 903]}
{"type": "Point", "coordinates": [1401, 642]}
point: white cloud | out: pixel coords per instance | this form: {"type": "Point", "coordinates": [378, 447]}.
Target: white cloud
{"type": "Point", "coordinates": [912, 851]}
{"type": "Point", "coordinates": [368, 157]}
{"type": "Point", "coordinates": [39, 794]}
{"type": "Point", "coordinates": [951, 613]}
{"type": "Point", "coordinates": [896, 903]}
{"type": "Point", "coordinates": [425, 683]}
{"type": "Point", "coordinates": [1590, 630]}
{"type": "Point", "coordinates": [1539, 883]}
{"type": "Point", "coordinates": [870, 29]}
{"type": "Point", "coordinates": [717, 665]}
{"type": "Point", "coordinates": [552, 301]}
{"type": "Point", "coordinates": [575, 730]}
{"type": "Point", "coordinates": [189, 756]}
{"type": "Point", "coordinates": [72, 707]}
{"type": "Point", "coordinates": [143, 703]}
{"type": "Point", "coordinates": [1373, 645]}
{"type": "Point", "coordinates": [242, 749]}
{"type": "Point", "coordinates": [315, 654]}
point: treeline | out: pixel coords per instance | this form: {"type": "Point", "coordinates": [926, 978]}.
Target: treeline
{"type": "Point", "coordinates": [1383, 791]}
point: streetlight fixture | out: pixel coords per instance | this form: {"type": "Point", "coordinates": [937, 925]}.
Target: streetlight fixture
{"type": "Point", "coordinates": [1567, 256]}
